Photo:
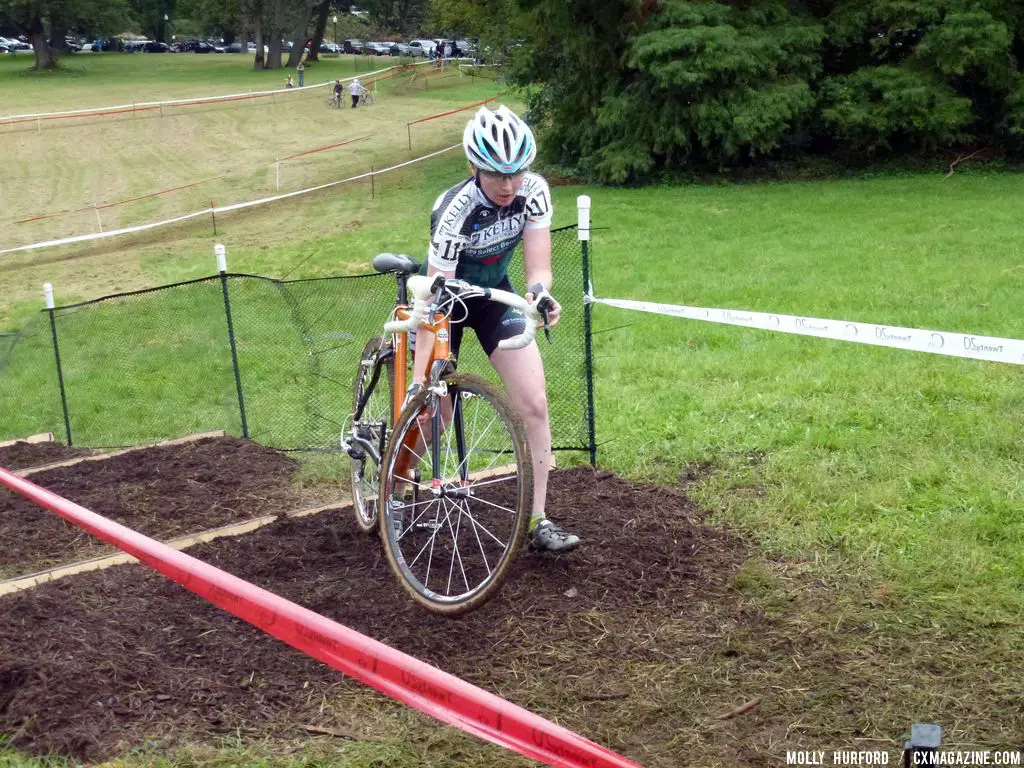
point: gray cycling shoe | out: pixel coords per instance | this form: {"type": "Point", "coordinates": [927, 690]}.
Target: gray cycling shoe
{"type": "Point", "coordinates": [548, 537]}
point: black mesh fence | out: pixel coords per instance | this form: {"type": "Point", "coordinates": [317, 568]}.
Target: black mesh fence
{"type": "Point", "coordinates": [274, 360]}
{"type": "Point", "coordinates": [30, 400]}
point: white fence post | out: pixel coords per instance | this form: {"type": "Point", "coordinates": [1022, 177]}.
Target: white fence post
{"type": "Point", "coordinates": [583, 217]}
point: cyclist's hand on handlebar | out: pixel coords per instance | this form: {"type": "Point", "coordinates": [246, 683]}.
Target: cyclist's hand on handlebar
{"type": "Point", "coordinates": [547, 306]}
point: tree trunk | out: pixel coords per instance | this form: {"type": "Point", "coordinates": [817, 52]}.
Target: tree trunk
{"type": "Point", "coordinates": [252, 20]}
{"type": "Point", "coordinates": [274, 51]}
{"type": "Point", "coordinates": [321, 13]}
{"type": "Point", "coordinates": [274, 46]}
{"type": "Point", "coordinates": [57, 33]}
{"type": "Point", "coordinates": [299, 36]}
{"type": "Point", "coordinates": [258, 62]}
{"type": "Point", "coordinates": [37, 34]}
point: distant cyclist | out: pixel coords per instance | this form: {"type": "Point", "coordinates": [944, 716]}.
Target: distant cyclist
{"type": "Point", "coordinates": [474, 228]}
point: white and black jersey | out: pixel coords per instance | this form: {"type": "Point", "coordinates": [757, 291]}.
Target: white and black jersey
{"type": "Point", "coordinates": [474, 238]}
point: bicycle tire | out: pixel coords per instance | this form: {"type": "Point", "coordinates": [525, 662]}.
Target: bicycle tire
{"type": "Point", "coordinates": [476, 386]}
{"type": "Point", "coordinates": [365, 509]}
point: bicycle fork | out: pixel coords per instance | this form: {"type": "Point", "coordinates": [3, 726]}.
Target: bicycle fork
{"type": "Point", "coordinates": [461, 489]}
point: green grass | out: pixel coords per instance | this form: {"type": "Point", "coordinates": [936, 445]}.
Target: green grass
{"type": "Point", "coordinates": [877, 471]}
{"type": "Point", "coordinates": [96, 80]}
{"type": "Point", "coordinates": [899, 465]}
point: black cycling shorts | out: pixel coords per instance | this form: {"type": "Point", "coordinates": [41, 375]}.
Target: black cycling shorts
{"type": "Point", "coordinates": [490, 320]}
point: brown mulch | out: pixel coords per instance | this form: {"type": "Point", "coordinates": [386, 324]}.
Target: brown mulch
{"type": "Point", "coordinates": [95, 663]}
{"type": "Point", "coordinates": [24, 455]}
{"type": "Point", "coordinates": [163, 492]}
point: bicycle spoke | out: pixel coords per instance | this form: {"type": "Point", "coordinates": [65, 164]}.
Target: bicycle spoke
{"type": "Point", "coordinates": [504, 479]}
{"type": "Point", "coordinates": [430, 557]}
{"type": "Point", "coordinates": [419, 456]}
{"type": "Point", "coordinates": [482, 527]}
{"type": "Point", "coordinates": [426, 507]}
{"type": "Point", "coordinates": [492, 504]}
{"type": "Point", "coordinates": [470, 451]}
{"type": "Point", "coordinates": [456, 554]}
{"type": "Point", "coordinates": [448, 448]}
{"type": "Point", "coordinates": [479, 543]}
{"type": "Point", "coordinates": [430, 542]}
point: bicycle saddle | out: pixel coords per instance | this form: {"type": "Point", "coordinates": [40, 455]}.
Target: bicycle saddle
{"type": "Point", "coordinates": [396, 262]}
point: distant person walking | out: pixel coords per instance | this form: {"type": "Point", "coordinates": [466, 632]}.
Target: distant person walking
{"type": "Point", "coordinates": [301, 69]}
{"type": "Point", "coordinates": [356, 89]}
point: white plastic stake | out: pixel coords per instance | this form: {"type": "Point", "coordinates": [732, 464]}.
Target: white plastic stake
{"type": "Point", "coordinates": [96, 210]}
{"type": "Point", "coordinates": [583, 217]}
{"type": "Point", "coordinates": [222, 257]}
{"type": "Point", "coordinates": [48, 293]}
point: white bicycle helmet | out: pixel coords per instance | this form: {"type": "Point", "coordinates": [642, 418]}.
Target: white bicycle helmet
{"type": "Point", "coordinates": [499, 141]}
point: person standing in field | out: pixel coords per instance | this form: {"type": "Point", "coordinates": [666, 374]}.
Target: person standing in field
{"type": "Point", "coordinates": [356, 89]}
{"type": "Point", "coordinates": [301, 69]}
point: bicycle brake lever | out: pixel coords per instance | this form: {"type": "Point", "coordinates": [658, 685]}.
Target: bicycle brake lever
{"type": "Point", "coordinates": [543, 304]}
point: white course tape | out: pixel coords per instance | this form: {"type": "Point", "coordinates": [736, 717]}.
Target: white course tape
{"type": "Point", "coordinates": [200, 99]}
{"type": "Point", "coordinates": [221, 209]}
{"type": "Point", "coordinates": [937, 342]}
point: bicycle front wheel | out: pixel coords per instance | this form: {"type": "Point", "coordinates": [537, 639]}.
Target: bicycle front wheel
{"type": "Point", "coordinates": [452, 540]}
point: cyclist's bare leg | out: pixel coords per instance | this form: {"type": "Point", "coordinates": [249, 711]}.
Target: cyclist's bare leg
{"type": "Point", "coordinates": [522, 372]}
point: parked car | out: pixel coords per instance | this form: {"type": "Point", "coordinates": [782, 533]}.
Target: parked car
{"type": "Point", "coordinates": [106, 44]}
{"type": "Point", "coordinates": [154, 46]}
{"type": "Point", "coordinates": [421, 48]}
{"type": "Point", "coordinates": [233, 48]}
{"type": "Point", "coordinates": [399, 49]}
{"type": "Point", "coordinates": [379, 49]}
{"type": "Point", "coordinates": [330, 48]}
{"type": "Point", "coordinates": [195, 46]}
{"type": "Point", "coordinates": [352, 46]}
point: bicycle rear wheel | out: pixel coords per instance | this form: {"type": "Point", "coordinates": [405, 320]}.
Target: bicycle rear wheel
{"type": "Point", "coordinates": [369, 433]}
{"type": "Point", "coordinates": [452, 544]}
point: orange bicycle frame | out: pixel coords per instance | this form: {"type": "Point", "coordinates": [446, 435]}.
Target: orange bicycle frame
{"type": "Point", "coordinates": [441, 350]}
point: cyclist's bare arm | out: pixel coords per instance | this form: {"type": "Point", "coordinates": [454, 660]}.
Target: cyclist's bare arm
{"type": "Point", "coordinates": [537, 261]}
{"type": "Point", "coordinates": [425, 338]}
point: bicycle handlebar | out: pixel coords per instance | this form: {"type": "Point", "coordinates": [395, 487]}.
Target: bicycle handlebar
{"type": "Point", "coordinates": [427, 291]}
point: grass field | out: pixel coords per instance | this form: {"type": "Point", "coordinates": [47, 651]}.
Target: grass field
{"type": "Point", "coordinates": [893, 479]}
{"type": "Point", "coordinates": [231, 148]}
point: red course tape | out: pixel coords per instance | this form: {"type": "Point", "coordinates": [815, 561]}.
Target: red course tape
{"type": "Point", "coordinates": [390, 671]}
{"type": "Point", "coordinates": [452, 112]}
